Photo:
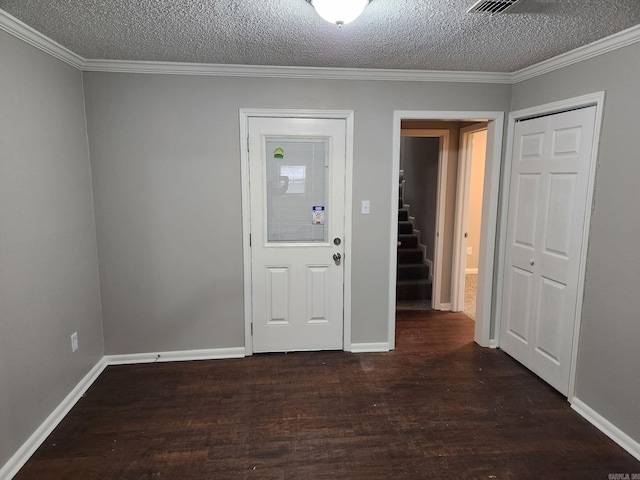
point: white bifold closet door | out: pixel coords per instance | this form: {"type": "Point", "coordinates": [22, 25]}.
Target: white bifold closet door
{"type": "Point", "coordinates": [545, 236]}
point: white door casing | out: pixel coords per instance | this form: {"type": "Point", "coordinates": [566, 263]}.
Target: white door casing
{"type": "Point", "coordinates": [549, 193]}
{"type": "Point", "coordinates": [484, 311]}
{"type": "Point", "coordinates": [296, 284]}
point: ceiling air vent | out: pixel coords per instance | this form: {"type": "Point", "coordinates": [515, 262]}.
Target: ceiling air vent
{"type": "Point", "coordinates": [491, 6]}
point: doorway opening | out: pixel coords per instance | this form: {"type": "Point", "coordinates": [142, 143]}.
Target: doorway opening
{"type": "Point", "coordinates": [468, 220]}
{"type": "Point", "coordinates": [440, 211]}
{"type": "Point", "coordinates": [424, 159]}
{"type": "Point", "coordinates": [445, 278]}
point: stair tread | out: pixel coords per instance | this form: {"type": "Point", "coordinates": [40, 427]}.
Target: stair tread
{"type": "Point", "coordinates": [407, 241]}
{"type": "Point", "coordinates": [409, 255]}
{"type": "Point", "coordinates": [412, 281]}
{"type": "Point", "coordinates": [415, 281]}
{"type": "Point", "coordinates": [413, 290]}
{"type": "Point", "coordinates": [418, 267]}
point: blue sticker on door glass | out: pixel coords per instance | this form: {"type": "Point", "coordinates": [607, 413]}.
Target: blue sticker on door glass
{"type": "Point", "coordinates": [318, 215]}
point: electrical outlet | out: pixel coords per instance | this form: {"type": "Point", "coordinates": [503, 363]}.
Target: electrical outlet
{"type": "Point", "coordinates": [74, 341]}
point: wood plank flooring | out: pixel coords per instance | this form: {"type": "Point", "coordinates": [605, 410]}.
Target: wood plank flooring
{"type": "Point", "coordinates": [438, 407]}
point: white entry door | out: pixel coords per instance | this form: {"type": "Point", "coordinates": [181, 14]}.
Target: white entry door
{"type": "Point", "coordinates": [297, 189]}
{"type": "Point", "coordinates": [545, 228]}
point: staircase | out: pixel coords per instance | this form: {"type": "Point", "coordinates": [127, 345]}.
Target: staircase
{"type": "Point", "coordinates": [413, 275]}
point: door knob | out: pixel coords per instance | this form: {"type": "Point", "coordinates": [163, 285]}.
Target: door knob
{"type": "Point", "coordinates": [336, 258]}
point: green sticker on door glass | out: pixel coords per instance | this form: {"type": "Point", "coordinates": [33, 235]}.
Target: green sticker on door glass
{"type": "Point", "coordinates": [278, 153]}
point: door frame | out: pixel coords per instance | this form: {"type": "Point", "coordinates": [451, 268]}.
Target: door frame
{"type": "Point", "coordinates": [247, 113]}
{"type": "Point", "coordinates": [482, 333]}
{"type": "Point", "coordinates": [463, 190]}
{"type": "Point", "coordinates": [594, 99]}
{"type": "Point", "coordinates": [443, 167]}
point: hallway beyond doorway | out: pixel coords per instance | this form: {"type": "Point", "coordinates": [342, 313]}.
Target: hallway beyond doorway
{"type": "Point", "coordinates": [470, 292]}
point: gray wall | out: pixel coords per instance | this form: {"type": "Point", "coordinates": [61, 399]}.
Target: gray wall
{"type": "Point", "coordinates": [48, 261]}
{"type": "Point", "coordinates": [165, 154]}
{"type": "Point", "coordinates": [607, 376]}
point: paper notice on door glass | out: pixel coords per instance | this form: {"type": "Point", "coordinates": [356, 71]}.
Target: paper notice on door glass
{"type": "Point", "coordinates": [318, 215]}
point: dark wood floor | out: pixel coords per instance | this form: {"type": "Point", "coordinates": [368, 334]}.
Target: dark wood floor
{"type": "Point", "coordinates": [438, 407]}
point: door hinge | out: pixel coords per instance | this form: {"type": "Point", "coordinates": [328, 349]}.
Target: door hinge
{"type": "Point", "coordinates": [249, 239]}
{"type": "Point", "coordinates": [247, 144]}
{"type": "Point", "coordinates": [251, 329]}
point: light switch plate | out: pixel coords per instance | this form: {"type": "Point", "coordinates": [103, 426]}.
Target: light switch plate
{"type": "Point", "coordinates": [74, 341]}
{"type": "Point", "coordinates": [366, 207]}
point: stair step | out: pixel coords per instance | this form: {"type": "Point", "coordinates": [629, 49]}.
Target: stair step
{"type": "Point", "coordinates": [408, 241]}
{"type": "Point", "coordinates": [403, 215]}
{"type": "Point", "coordinates": [405, 227]}
{"type": "Point", "coordinates": [409, 255]}
{"type": "Point", "coordinates": [413, 290]}
{"type": "Point", "coordinates": [413, 271]}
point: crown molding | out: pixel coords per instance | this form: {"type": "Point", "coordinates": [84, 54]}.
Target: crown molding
{"type": "Point", "coordinates": [24, 32]}
{"type": "Point", "coordinates": [20, 30]}
{"type": "Point", "coordinates": [265, 71]}
{"type": "Point", "coordinates": [613, 42]}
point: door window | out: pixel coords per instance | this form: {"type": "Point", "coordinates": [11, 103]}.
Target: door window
{"type": "Point", "coordinates": [296, 189]}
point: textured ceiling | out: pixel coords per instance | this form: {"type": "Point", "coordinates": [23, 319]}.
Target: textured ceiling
{"type": "Point", "coordinates": [391, 34]}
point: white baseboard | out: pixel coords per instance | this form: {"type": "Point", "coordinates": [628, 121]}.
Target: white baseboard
{"type": "Point", "coordinates": [493, 343]}
{"type": "Point", "coordinates": [471, 271]}
{"type": "Point", "coordinates": [429, 263]}
{"type": "Point", "coordinates": [177, 356]}
{"type": "Point", "coordinates": [17, 461]}
{"type": "Point", "coordinates": [369, 347]}
{"type": "Point", "coordinates": [606, 427]}
{"type": "Point", "coordinates": [444, 307]}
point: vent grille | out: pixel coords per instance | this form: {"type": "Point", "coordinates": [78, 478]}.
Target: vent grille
{"type": "Point", "coordinates": [491, 6]}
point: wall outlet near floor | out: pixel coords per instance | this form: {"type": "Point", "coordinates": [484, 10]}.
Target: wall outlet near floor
{"type": "Point", "coordinates": [74, 341]}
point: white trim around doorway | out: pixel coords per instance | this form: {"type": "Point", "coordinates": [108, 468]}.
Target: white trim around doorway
{"type": "Point", "coordinates": [486, 286]}
{"type": "Point", "coordinates": [348, 116]}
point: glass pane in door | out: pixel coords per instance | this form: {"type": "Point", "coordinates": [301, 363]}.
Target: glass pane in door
{"type": "Point", "coordinates": [297, 189]}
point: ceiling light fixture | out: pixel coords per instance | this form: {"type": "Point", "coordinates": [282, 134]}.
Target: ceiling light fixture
{"type": "Point", "coordinates": [339, 12]}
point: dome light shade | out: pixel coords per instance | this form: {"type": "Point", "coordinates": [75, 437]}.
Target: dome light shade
{"type": "Point", "coordinates": [339, 12]}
